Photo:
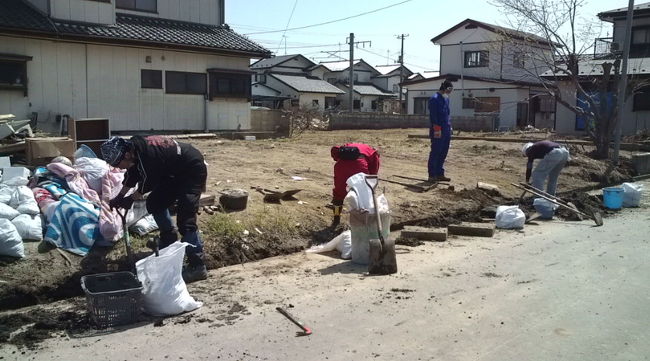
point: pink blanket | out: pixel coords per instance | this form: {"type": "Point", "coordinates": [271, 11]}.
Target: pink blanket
{"type": "Point", "coordinates": [110, 223]}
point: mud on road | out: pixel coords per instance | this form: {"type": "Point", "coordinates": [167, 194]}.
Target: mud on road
{"type": "Point", "coordinates": [266, 230]}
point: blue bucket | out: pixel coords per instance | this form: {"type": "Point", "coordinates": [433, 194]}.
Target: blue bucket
{"type": "Point", "coordinates": [613, 197]}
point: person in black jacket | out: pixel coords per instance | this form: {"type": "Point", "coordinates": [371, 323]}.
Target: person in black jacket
{"type": "Point", "coordinates": [172, 172]}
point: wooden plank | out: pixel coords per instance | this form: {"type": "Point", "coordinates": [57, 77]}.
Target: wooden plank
{"type": "Point", "coordinates": [487, 186]}
{"type": "Point", "coordinates": [425, 234]}
{"type": "Point", "coordinates": [472, 229]}
{"type": "Point", "coordinates": [13, 148]}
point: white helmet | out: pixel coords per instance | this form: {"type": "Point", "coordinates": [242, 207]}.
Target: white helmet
{"type": "Point", "coordinates": [524, 149]}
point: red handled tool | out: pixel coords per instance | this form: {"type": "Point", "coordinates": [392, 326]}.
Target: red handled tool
{"type": "Point", "coordinates": [306, 331]}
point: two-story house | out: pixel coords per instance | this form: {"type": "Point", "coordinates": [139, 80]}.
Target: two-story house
{"type": "Point", "coordinates": [367, 97]}
{"type": "Point", "coordinates": [285, 82]}
{"type": "Point", "coordinates": [390, 77]}
{"type": "Point", "coordinates": [494, 74]}
{"type": "Point", "coordinates": [636, 112]}
{"type": "Point", "coordinates": [166, 65]}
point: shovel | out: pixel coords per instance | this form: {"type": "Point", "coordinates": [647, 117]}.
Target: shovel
{"type": "Point", "coordinates": [595, 216]}
{"type": "Point", "coordinates": [127, 239]}
{"type": "Point", "coordinates": [382, 256]}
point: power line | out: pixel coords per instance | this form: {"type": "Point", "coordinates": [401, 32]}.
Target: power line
{"type": "Point", "coordinates": [285, 29]}
{"type": "Point", "coordinates": [332, 21]}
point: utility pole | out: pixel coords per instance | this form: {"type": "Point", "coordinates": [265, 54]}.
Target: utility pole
{"type": "Point", "coordinates": [351, 82]}
{"type": "Point", "coordinates": [353, 43]}
{"type": "Point", "coordinates": [401, 70]}
{"type": "Point", "coordinates": [622, 86]}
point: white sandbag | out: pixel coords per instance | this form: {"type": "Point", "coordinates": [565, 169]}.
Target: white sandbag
{"type": "Point", "coordinates": [8, 212]}
{"type": "Point", "coordinates": [632, 193]}
{"type": "Point", "coordinates": [10, 242]}
{"type": "Point", "coordinates": [24, 202]}
{"type": "Point", "coordinates": [92, 170]}
{"type": "Point", "coordinates": [15, 176]}
{"type": "Point", "coordinates": [144, 225]}
{"type": "Point", "coordinates": [341, 243]}
{"type": "Point", "coordinates": [137, 212]}
{"type": "Point", "coordinates": [29, 227]}
{"type": "Point", "coordinates": [344, 246]}
{"type": "Point", "coordinates": [164, 291]}
{"type": "Point", "coordinates": [357, 185]}
{"type": "Point", "coordinates": [6, 192]}
{"type": "Point", "coordinates": [510, 217]}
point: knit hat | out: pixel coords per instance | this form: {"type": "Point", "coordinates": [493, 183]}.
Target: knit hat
{"type": "Point", "coordinates": [113, 150]}
{"type": "Point", "coordinates": [524, 149]}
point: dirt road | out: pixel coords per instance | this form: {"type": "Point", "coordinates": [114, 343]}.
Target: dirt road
{"type": "Point", "coordinates": [556, 291]}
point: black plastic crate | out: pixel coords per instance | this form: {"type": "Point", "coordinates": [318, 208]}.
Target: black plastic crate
{"type": "Point", "coordinates": [113, 299]}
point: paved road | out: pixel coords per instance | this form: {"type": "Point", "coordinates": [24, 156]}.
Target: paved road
{"type": "Point", "coordinates": [557, 291]}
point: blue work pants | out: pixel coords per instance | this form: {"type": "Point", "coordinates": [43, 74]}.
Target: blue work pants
{"type": "Point", "coordinates": [438, 154]}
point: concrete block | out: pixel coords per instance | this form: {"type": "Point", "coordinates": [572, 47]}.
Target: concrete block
{"type": "Point", "coordinates": [472, 229]}
{"type": "Point", "coordinates": [641, 163]}
{"type": "Point", "coordinates": [425, 234]}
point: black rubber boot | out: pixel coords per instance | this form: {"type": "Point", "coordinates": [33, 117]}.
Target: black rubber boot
{"type": "Point", "coordinates": [195, 269]}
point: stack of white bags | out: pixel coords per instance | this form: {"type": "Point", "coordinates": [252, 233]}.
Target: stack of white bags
{"type": "Point", "coordinates": [20, 217]}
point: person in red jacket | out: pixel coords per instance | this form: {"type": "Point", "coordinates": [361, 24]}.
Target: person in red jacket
{"type": "Point", "coordinates": [351, 158]}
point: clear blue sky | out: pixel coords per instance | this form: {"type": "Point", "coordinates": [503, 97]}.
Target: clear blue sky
{"type": "Point", "coordinates": [421, 19]}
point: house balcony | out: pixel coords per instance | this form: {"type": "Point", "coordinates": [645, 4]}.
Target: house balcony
{"type": "Point", "coordinates": [605, 48]}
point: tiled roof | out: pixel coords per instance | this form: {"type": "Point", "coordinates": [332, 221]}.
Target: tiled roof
{"type": "Point", "coordinates": [516, 34]}
{"type": "Point", "coordinates": [307, 85]}
{"type": "Point", "coordinates": [369, 90]}
{"type": "Point", "coordinates": [386, 69]}
{"type": "Point", "coordinates": [338, 65]}
{"type": "Point", "coordinates": [17, 15]}
{"type": "Point", "coordinates": [276, 60]}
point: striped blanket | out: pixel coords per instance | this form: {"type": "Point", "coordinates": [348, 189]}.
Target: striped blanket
{"type": "Point", "coordinates": [74, 225]}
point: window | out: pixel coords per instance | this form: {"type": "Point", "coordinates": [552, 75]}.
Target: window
{"type": "Point", "coordinates": [295, 102]}
{"type": "Point", "coordinates": [641, 36]}
{"type": "Point", "coordinates": [373, 105]}
{"type": "Point", "coordinates": [331, 80]}
{"type": "Point", "coordinates": [177, 82]}
{"type": "Point", "coordinates": [395, 88]}
{"type": "Point", "coordinates": [314, 103]}
{"type": "Point", "coordinates": [518, 60]}
{"type": "Point", "coordinates": [468, 103]}
{"type": "Point", "coordinates": [230, 85]}
{"type": "Point", "coordinates": [357, 104]}
{"type": "Point", "coordinates": [641, 101]}
{"type": "Point", "coordinates": [137, 5]}
{"type": "Point", "coordinates": [151, 79]}
{"type": "Point", "coordinates": [13, 74]}
{"type": "Point", "coordinates": [260, 78]}
{"type": "Point", "coordinates": [476, 59]}
{"type": "Point", "coordinates": [420, 106]}
{"type": "Point", "coordinates": [487, 104]}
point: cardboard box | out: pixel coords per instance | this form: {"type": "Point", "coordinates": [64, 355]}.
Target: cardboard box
{"type": "Point", "coordinates": [40, 151]}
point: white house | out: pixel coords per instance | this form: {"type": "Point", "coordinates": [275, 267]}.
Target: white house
{"type": "Point", "coordinates": [290, 76]}
{"type": "Point", "coordinates": [390, 77]}
{"type": "Point", "coordinates": [165, 65]}
{"type": "Point", "coordinates": [636, 113]}
{"type": "Point", "coordinates": [494, 74]}
{"type": "Point", "coordinates": [304, 91]}
{"type": "Point", "coordinates": [366, 98]}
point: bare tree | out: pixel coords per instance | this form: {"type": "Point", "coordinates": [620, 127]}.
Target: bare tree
{"type": "Point", "coordinates": [569, 62]}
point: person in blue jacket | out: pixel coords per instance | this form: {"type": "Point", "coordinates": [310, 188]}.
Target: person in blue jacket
{"type": "Point", "coordinates": [439, 132]}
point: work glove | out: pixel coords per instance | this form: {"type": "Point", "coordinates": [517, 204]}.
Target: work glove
{"type": "Point", "coordinates": [437, 131]}
{"type": "Point", "coordinates": [121, 202]}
